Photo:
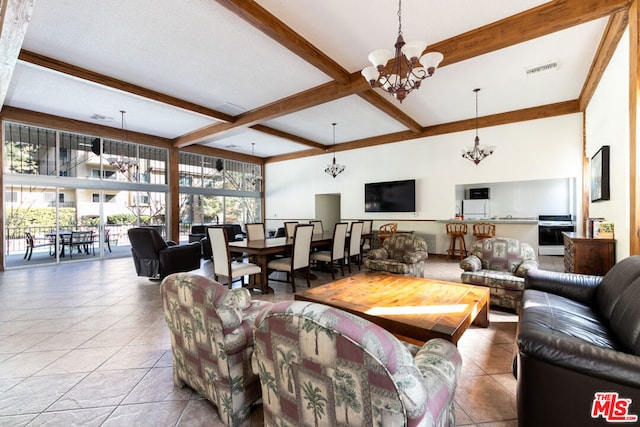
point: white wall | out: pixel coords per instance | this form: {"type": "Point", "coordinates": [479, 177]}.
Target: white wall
{"type": "Point", "coordinates": [537, 149]}
{"type": "Point", "coordinates": [607, 123]}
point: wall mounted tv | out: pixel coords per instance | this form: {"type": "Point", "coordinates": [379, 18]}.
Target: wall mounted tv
{"type": "Point", "coordinates": [392, 196]}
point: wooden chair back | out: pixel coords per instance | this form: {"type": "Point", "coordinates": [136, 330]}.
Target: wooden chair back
{"type": "Point", "coordinates": [456, 228]}
{"type": "Point", "coordinates": [482, 230]}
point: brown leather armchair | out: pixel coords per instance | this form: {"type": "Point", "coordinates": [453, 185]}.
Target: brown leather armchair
{"type": "Point", "coordinates": [156, 258]}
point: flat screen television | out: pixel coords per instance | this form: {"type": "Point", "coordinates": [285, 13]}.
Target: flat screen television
{"type": "Point", "coordinates": [392, 196]}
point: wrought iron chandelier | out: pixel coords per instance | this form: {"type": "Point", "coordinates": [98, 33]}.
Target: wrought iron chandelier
{"type": "Point", "coordinates": [122, 162]}
{"type": "Point", "coordinates": [334, 169]}
{"type": "Point", "coordinates": [478, 152]}
{"type": "Point", "coordinates": [402, 75]}
{"type": "Point", "coordinates": [254, 177]}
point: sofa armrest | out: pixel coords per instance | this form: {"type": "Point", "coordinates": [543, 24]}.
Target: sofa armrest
{"type": "Point", "coordinates": [379, 253]}
{"type": "Point", "coordinates": [578, 287]}
{"type": "Point", "coordinates": [526, 265]}
{"type": "Point", "coordinates": [471, 263]}
{"type": "Point", "coordinates": [241, 297]}
{"type": "Point", "coordinates": [577, 355]}
{"type": "Point", "coordinates": [414, 257]}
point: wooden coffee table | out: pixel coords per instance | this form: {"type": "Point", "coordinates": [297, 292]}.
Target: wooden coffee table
{"type": "Point", "coordinates": [413, 309]}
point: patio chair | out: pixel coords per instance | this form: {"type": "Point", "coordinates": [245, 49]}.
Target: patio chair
{"type": "Point", "coordinates": [36, 242]}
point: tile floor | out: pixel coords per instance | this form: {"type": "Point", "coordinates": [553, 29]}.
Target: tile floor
{"type": "Point", "coordinates": [85, 344]}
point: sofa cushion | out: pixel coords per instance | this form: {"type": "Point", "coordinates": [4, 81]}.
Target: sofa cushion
{"type": "Point", "coordinates": [562, 318]}
{"type": "Point", "coordinates": [493, 279]}
{"type": "Point", "coordinates": [614, 283]}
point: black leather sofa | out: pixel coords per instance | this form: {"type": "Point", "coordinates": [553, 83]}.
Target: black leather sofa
{"type": "Point", "coordinates": [156, 258]}
{"type": "Point", "coordinates": [578, 348]}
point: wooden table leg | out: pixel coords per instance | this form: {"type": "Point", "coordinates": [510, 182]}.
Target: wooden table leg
{"type": "Point", "coordinates": [482, 318]}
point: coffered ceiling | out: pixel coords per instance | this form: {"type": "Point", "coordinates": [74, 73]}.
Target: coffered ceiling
{"type": "Point", "coordinates": [225, 74]}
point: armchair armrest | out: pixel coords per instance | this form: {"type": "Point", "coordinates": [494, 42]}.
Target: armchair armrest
{"type": "Point", "coordinates": [379, 253]}
{"type": "Point", "coordinates": [526, 265]}
{"type": "Point", "coordinates": [439, 363]}
{"type": "Point", "coordinates": [471, 263]}
{"type": "Point", "coordinates": [180, 257]}
{"type": "Point", "coordinates": [578, 287]}
{"type": "Point", "coordinates": [414, 257]}
{"type": "Point", "coordinates": [241, 297]}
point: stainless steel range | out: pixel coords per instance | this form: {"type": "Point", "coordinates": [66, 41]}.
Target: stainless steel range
{"type": "Point", "coordinates": [550, 228]}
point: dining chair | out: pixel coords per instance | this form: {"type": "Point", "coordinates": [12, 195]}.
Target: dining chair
{"type": "Point", "coordinates": [367, 225]}
{"type": "Point", "coordinates": [289, 228]}
{"type": "Point", "coordinates": [255, 231]}
{"type": "Point", "coordinates": [223, 265]}
{"type": "Point", "coordinates": [354, 249]}
{"type": "Point", "coordinates": [299, 259]}
{"type": "Point", "coordinates": [336, 254]}
{"type": "Point", "coordinates": [317, 226]}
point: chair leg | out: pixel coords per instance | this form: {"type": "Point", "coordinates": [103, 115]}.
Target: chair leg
{"type": "Point", "coordinates": [348, 264]}
{"type": "Point", "coordinates": [293, 281]}
{"type": "Point", "coordinates": [341, 261]}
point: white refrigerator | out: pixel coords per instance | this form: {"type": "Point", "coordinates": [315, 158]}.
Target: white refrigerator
{"type": "Point", "coordinates": [476, 209]}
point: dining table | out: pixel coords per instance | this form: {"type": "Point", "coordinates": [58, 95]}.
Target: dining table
{"type": "Point", "coordinates": [260, 250]}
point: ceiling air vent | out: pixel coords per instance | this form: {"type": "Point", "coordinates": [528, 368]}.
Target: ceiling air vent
{"type": "Point", "coordinates": [96, 116]}
{"type": "Point", "coordinates": [541, 69]}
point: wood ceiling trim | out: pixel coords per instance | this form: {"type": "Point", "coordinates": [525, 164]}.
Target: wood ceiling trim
{"type": "Point", "coordinates": [264, 21]}
{"type": "Point", "coordinates": [613, 33]}
{"type": "Point", "coordinates": [290, 137]}
{"type": "Point", "coordinates": [534, 113]}
{"type": "Point", "coordinates": [34, 118]}
{"type": "Point", "coordinates": [85, 74]}
{"type": "Point", "coordinates": [382, 103]}
{"type": "Point", "coordinates": [309, 98]}
{"type": "Point", "coordinates": [548, 18]}
{"type": "Point", "coordinates": [537, 22]}
{"type": "Point", "coordinates": [14, 19]}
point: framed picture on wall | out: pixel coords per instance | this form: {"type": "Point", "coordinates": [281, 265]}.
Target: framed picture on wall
{"type": "Point", "coordinates": [600, 175]}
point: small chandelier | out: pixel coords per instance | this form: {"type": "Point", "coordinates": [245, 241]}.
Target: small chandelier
{"type": "Point", "coordinates": [402, 76]}
{"type": "Point", "coordinates": [122, 162]}
{"type": "Point", "coordinates": [334, 169]}
{"type": "Point", "coordinates": [254, 177]}
{"type": "Point", "coordinates": [478, 152]}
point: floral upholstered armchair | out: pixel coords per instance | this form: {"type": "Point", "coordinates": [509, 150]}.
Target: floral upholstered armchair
{"type": "Point", "coordinates": [500, 264]}
{"type": "Point", "coordinates": [212, 341]}
{"type": "Point", "coordinates": [319, 365]}
{"type": "Point", "coordinates": [402, 253]}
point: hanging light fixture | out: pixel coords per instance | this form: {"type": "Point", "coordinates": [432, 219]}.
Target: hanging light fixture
{"type": "Point", "coordinates": [478, 152]}
{"type": "Point", "coordinates": [334, 169]}
{"type": "Point", "coordinates": [254, 177]}
{"type": "Point", "coordinates": [402, 76]}
{"type": "Point", "coordinates": [122, 162]}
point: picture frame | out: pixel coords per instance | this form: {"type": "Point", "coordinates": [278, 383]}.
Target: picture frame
{"type": "Point", "coordinates": [600, 175]}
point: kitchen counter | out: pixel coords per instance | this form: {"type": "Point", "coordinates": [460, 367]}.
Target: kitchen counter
{"type": "Point", "coordinates": [498, 220]}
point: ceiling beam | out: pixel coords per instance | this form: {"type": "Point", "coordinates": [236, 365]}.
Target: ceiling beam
{"type": "Point", "coordinates": [613, 33]}
{"type": "Point", "coordinates": [20, 115]}
{"type": "Point", "coordinates": [85, 74]}
{"type": "Point", "coordinates": [545, 19]}
{"type": "Point", "coordinates": [14, 19]}
{"type": "Point", "coordinates": [534, 113]}
{"type": "Point", "coordinates": [286, 135]}
{"type": "Point", "coordinates": [264, 21]}
{"type": "Point", "coordinates": [391, 109]}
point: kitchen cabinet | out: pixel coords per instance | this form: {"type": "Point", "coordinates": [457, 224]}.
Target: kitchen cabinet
{"type": "Point", "coordinates": [586, 255]}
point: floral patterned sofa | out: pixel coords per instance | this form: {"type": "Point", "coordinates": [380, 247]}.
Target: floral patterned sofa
{"type": "Point", "coordinates": [319, 365]}
{"type": "Point", "coordinates": [500, 264]}
{"type": "Point", "coordinates": [402, 253]}
{"type": "Point", "coordinates": [211, 329]}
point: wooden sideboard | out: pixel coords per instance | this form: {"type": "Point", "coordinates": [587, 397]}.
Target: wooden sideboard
{"type": "Point", "coordinates": [586, 255]}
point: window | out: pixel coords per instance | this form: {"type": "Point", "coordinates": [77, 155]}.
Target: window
{"type": "Point", "coordinates": [95, 173]}
{"type": "Point", "coordinates": [61, 197]}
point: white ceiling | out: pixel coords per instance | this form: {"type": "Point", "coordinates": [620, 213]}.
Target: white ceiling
{"type": "Point", "coordinates": [200, 52]}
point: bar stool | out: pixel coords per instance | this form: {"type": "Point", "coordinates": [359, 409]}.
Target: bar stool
{"type": "Point", "coordinates": [482, 230]}
{"type": "Point", "coordinates": [456, 232]}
